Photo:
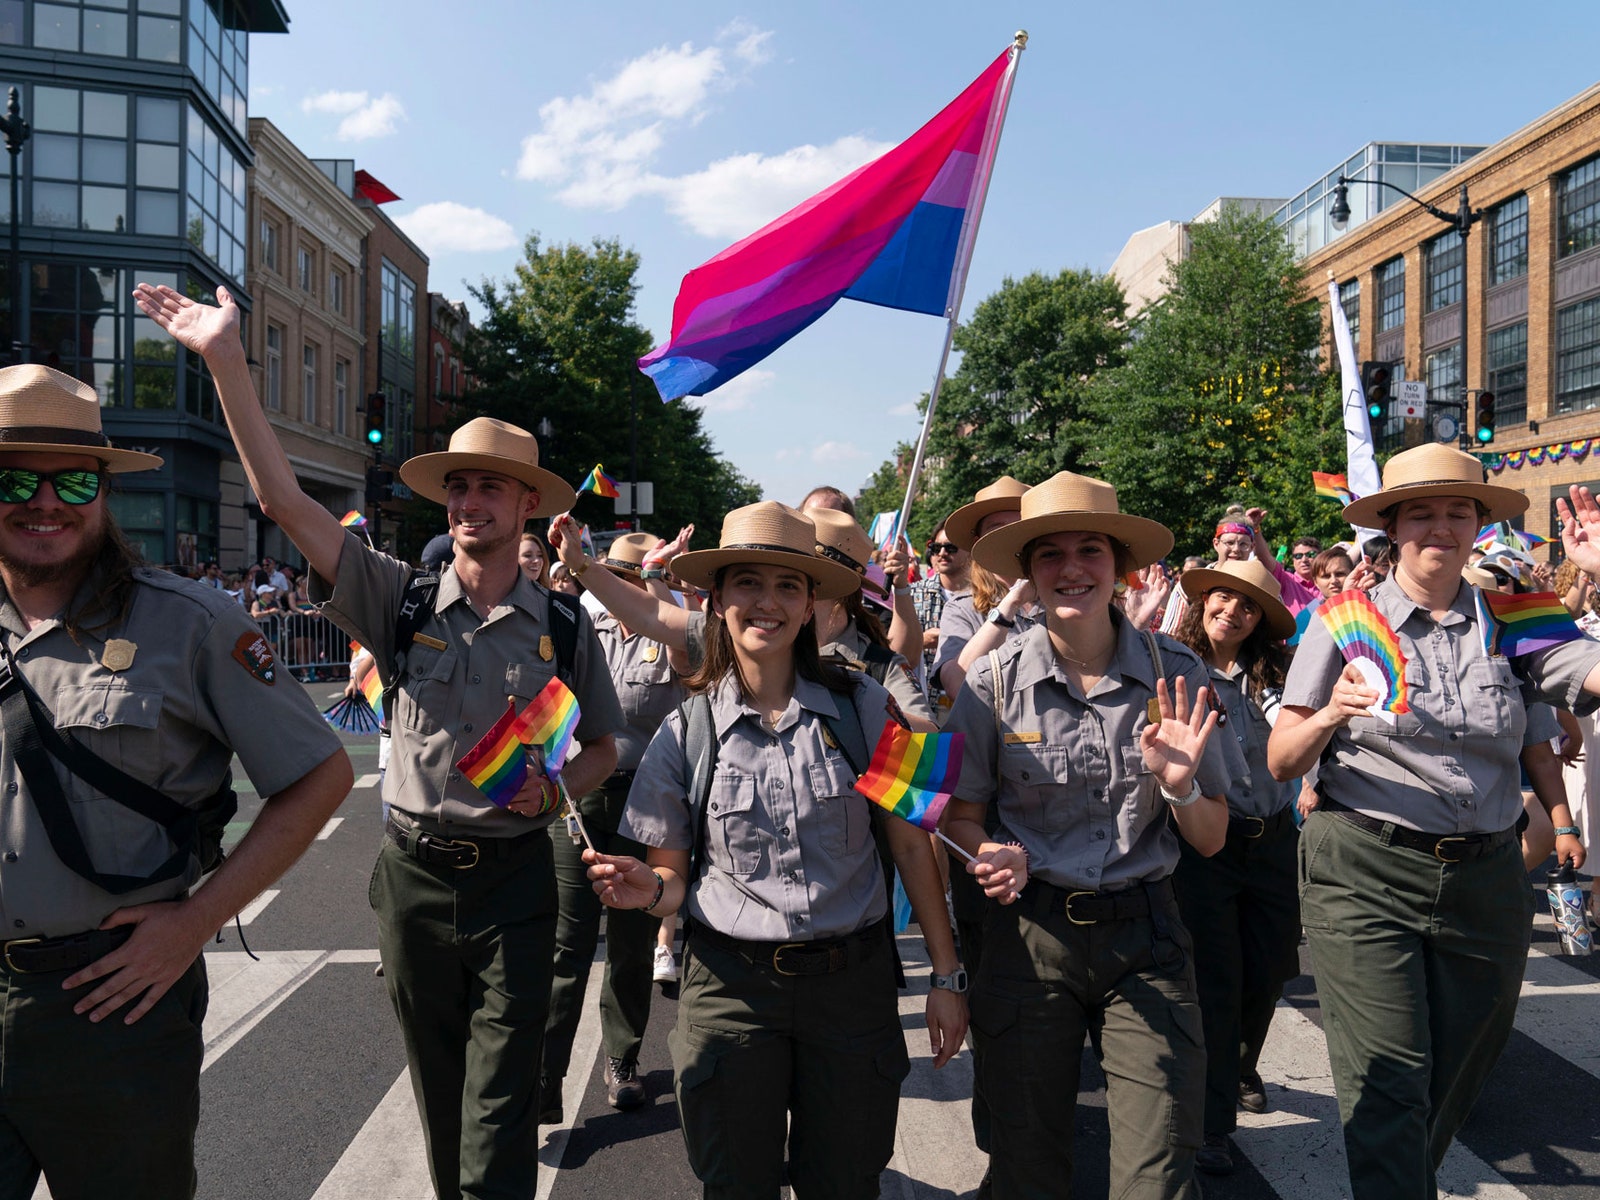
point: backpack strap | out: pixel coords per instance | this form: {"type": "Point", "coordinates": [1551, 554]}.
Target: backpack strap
{"type": "Point", "coordinates": [564, 610]}
{"type": "Point", "coordinates": [700, 751]}
{"type": "Point", "coordinates": [416, 602]}
{"type": "Point", "coordinates": [1152, 645]}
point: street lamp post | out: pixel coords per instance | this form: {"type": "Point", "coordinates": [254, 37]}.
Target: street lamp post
{"type": "Point", "coordinates": [1462, 221]}
{"type": "Point", "coordinates": [16, 133]}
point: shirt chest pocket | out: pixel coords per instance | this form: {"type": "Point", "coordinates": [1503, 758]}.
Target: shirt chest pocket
{"type": "Point", "coordinates": [733, 837]}
{"type": "Point", "coordinates": [638, 681]}
{"type": "Point", "coordinates": [119, 725]}
{"type": "Point", "coordinates": [1034, 786]}
{"type": "Point", "coordinates": [526, 680]}
{"type": "Point", "coordinates": [846, 822]}
{"type": "Point", "coordinates": [1494, 699]}
{"type": "Point", "coordinates": [424, 696]}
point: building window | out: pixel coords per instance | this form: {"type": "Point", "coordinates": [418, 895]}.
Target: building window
{"type": "Point", "coordinates": [1444, 373]}
{"type": "Point", "coordinates": [1350, 301]}
{"type": "Point", "coordinates": [269, 245]}
{"type": "Point", "coordinates": [1391, 278]}
{"type": "Point", "coordinates": [214, 212]}
{"type": "Point", "coordinates": [1444, 257]}
{"type": "Point", "coordinates": [438, 372]}
{"type": "Point", "coordinates": [1578, 356]}
{"type": "Point", "coordinates": [308, 395]}
{"type": "Point", "coordinates": [217, 53]}
{"type": "Point", "coordinates": [307, 266]}
{"type": "Point", "coordinates": [336, 291]}
{"type": "Point", "coordinates": [90, 29]}
{"type": "Point", "coordinates": [1508, 372]}
{"type": "Point", "coordinates": [1578, 203]}
{"type": "Point", "coordinates": [1508, 240]}
{"type": "Point", "coordinates": [341, 394]}
{"type": "Point", "coordinates": [274, 368]}
{"type": "Point", "coordinates": [84, 324]}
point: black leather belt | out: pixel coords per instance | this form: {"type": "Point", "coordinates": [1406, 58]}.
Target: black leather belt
{"type": "Point", "coordinates": [38, 956]}
{"type": "Point", "coordinates": [1092, 908]}
{"type": "Point", "coordinates": [1446, 847]}
{"type": "Point", "coordinates": [1253, 829]}
{"type": "Point", "coordinates": [461, 853]}
{"type": "Point", "coordinates": [796, 958]}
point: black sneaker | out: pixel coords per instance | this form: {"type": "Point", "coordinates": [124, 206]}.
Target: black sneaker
{"type": "Point", "coordinates": [1252, 1093]}
{"type": "Point", "coordinates": [624, 1088]}
{"type": "Point", "coordinates": [550, 1101]}
{"type": "Point", "coordinates": [1216, 1156]}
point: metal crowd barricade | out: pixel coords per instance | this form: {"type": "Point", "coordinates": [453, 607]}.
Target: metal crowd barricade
{"type": "Point", "coordinates": [309, 645]}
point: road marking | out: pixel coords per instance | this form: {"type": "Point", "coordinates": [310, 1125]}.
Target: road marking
{"type": "Point", "coordinates": [333, 823]}
{"type": "Point", "coordinates": [386, 1159]}
{"type": "Point", "coordinates": [243, 991]}
{"type": "Point", "coordinates": [253, 910]}
{"type": "Point", "coordinates": [366, 781]}
{"type": "Point", "coordinates": [585, 1049]}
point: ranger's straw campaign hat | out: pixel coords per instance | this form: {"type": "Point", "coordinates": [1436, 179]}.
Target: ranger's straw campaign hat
{"type": "Point", "coordinates": [625, 556]}
{"type": "Point", "coordinates": [1248, 578]}
{"type": "Point", "coordinates": [485, 444]}
{"type": "Point", "coordinates": [42, 409]}
{"type": "Point", "coordinates": [841, 539]}
{"type": "Point", "coordinates": [1003, 495]}
{"type": "Point", "coordinates": [772, 534]}
{"type": "Point", "coordinates": [1068, 503]}
{"type": "Point", "coordinates": [1435, 470]}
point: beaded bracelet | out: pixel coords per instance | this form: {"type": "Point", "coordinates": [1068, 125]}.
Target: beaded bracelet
{"type": "Point", "coordinates": [661, 887]}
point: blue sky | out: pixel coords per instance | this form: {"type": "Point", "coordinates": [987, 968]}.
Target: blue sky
{"type": "Point", "coordinates": [678, 128]}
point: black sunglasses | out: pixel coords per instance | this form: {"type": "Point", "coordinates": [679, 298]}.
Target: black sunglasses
{"type": "Point", "coordinates": [18, 485]}
{"type": "Point", "coordinates": [943, 548]}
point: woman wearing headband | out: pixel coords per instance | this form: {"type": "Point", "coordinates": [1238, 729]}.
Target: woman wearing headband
{"type": "Point", "coordinates": [789, 1038]}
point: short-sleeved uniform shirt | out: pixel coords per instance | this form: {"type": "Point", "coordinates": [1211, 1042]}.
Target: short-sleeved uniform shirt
{"type": "Point", "coordinates": [789, 852]}
{"type": "Point", "coordinates": [1450, 765]}
{"type": "Point", "coordinates": [961, 620]}
{"type": "Point", "coordinates": [646, 685]}
{"type": "Point", "coordinates": [1066, 772]}
{"type": "Point", "coordinates": [449, 698]}
{"type": "Point", "coordinates": [929, 596]}
{"type": "Point", "coordinates": [202, 687]}
{"type": "Point", "coordinates": [1256, 793]}
{"type": "Point", "coordinates": [851, 650]}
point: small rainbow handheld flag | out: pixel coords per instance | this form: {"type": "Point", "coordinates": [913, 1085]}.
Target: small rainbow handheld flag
{"type": "Point", "coordinates": [371, 687]}
{"type": "Point", "coordinates": [497, 765]}
{"type": "Point", "coordinates": [600, 483]}
{"type": "Point", "coordinates": [549, 722]}
{"type": "Point", "coordinates": [913, 774]}
{"type": "Point", "coordinates": [1332, 487]}
{"type": "Point", "coordinates": [1530, 622]}
{"type": "Point", "coordinates": [1365, 637]}
{"type": "Point", "coordinates": [1504, 534]}
{"type": "Point", "coordinates": [353, 520]}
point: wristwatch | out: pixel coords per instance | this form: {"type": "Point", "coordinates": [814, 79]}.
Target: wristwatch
{"type": "Point", "coordinates": [955, 982]}
{"type": "Point", "coordinates": [1182, 801]}
{"type": "Point", "coordinates": [996, 617]}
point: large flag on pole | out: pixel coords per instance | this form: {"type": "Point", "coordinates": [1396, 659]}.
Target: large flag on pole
{"type": "Point", "coordinates": [1361, 469]}
{"type": "Point", "coordinates": [889, 234]}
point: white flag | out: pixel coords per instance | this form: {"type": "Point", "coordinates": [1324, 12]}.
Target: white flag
{"type": "Point", "coordinates": [1361, 468]}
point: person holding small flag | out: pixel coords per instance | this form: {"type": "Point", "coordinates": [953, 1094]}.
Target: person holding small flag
{"type": "Point", "coordinates": [789, 1041]}
{"type": "Point", "coordinates": [1088, 755]}
{"type": "Point", "coordinates": [1413, 893]}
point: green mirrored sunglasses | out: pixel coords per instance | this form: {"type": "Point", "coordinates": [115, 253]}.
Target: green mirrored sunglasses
{"type": "Point", "coordinates": [18, 485]}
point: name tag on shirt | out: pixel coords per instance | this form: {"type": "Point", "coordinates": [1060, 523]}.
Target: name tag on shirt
{"type": "Point", "coordinates": [1025, 739]}
{"type": "Point", "coordinates": [432, 643]}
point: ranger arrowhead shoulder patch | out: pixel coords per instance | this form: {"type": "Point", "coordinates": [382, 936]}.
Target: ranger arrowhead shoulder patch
{"type": "Point", "coordinates": [254, 653]}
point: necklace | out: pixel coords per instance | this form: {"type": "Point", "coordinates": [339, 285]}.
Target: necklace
{"type": "Point", "coordinates": [1094, 665]}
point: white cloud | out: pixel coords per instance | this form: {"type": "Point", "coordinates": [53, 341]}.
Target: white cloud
{"type": "Point", "coordinates": [364, 116]}
{"type": "Point", "coordinates": [829, 453]}
{"type": "Point", "coordinates": [749, 42]}
{"type": "Point", "coordinates": [445, 226]}
{"type": "Point", "coordinates": [908, 409]}
{"type": "Point", "coordinates": [738, 393]}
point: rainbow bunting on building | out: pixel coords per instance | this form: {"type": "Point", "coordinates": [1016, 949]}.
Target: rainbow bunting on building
{"type": "Point", "coordinates": [353, 520]}
{"type": "Point", "coordinates": [1531, 622]}
{"type": "Point", "coordinates": [1363, 635]}
{"type": "Point", "coordinates": [601, 484]}
{"type": "Point", "coordinates": [1332, 487]}
{"type": "Point", "coordinates": [912, 774]}
{"type": "Point", "coordinates": [549, 723]}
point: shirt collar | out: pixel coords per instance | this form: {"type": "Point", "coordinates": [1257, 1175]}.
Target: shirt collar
{"type": "Point", "coordinates": [1392, 601]}
{"type": "Point", "coordinates": [525, 594]}
{"type": "Point", "coordinates": [1036, 657]}
{"type": "Point", "coordinates": [728, 705]}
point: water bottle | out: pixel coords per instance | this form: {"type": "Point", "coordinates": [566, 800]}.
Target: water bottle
{"type": "Point", "coordinates": [1568, 906]}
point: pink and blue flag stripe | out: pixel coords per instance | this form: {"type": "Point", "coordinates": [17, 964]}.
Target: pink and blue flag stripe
{"type": "Point", "coordinates": [886, 234]}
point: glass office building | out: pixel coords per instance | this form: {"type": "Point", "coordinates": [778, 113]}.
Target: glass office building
{"type": "Point", "coordinates": [135, 171]}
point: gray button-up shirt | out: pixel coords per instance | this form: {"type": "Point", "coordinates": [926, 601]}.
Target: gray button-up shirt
{"type": "Point", "coordinates": [961, 620]}
{"type": "Point", "coordinates": [647, 687]}
{"type": "Point", "coordinates": [1065, 770]}
{"type": "Point", "coordinates": [851, 650]}
{"type": "Point", "coordinates": [1256, 793]}
{"type": "Point", "coordinates": [202, 687]}
{"type": "Point", "coordinates": [1450, 764]}
{"type": "Point", "coordinates": [449, 698]}
{"type": "Point", "coordinates": [789, 851]}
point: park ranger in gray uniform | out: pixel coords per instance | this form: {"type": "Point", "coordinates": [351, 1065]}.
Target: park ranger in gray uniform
{"type": "Point", "coordinates": [464, 890]}
{"type": "Point", "coordinates": [159, 682]}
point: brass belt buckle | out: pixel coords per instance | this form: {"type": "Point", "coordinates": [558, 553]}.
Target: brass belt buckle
{"type": "Point", "coordinates": [1067, 908]}
{"type": "Point", "coordinates": [777, 957]}
{"type": "Point", "coordinates": [1439, 845]}
{"type": "Point", "coordinates": [1261, 828]}
{"type": "Point", "coordinates": [454, 845]}
{"type": "Point", "coordinates": [33, 941]}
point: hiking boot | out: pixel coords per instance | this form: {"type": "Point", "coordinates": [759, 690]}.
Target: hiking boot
{"type": "Point", "coordinates": [666, 966]}
{"type": "Point", "coordinates": [1252, 1093]}
{"type": "Point", "coordinates": [550, 1101]}
{"type": "Point", "coordinates": [624, 1088]}
{"type": "Point", "coordinates": [1216, 1156]}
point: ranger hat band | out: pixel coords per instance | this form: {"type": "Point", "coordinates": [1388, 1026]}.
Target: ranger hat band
{"type": "Point", "coordinates": [626, 555]}
{"type": "Point", "coordinates": [485, 444]}
{"type": "Point", "coordinates": [841, 539]}
{"type": "Point", "coordinates": [769, 534]}
{"type": "Point", "coordinates": [45, 410]}
{"type": "Point", "coordinates": [1435, 470]}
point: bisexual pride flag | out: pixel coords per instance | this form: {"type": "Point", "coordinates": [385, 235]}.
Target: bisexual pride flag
{"type": "Point", "coordinates": [890, 233]}
{"type": "Point", "coordinates": [913, 774]}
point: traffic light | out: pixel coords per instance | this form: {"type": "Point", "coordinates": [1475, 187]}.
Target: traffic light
{"type": "Point", "coordinates": [1485, 427]}
{"type": "Point", "coordinates": [377, 419]}
{"type": "Point", "coordinates": [380, 486]}
{"type": "Point", "coordinates": [1377, 383]}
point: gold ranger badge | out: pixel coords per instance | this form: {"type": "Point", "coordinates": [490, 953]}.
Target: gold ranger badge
{"type": "Point", "coordinates": [547, 648]}
{"type": "Point", "coordinates": [651, 653]}
{"type": "Point", "coordinates": [118, 655]}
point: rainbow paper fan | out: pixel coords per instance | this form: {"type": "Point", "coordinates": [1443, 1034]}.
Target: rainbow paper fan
{"type": "Point", "coordinates": [1365, 638]}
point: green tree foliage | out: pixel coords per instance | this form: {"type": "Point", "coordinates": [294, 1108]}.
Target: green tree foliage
{"type": "Point", "coordinates": [1218, 399]}
{"type": "Point", "coordinates": [1014, 404]}
{"type": "Point", "coordinates": [559, 343]}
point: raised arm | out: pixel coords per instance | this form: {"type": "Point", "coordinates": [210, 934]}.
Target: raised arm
{"type": "Point", "coordinates": [659, 620]}
{"type": "Point", "coordinates": [213, 333]}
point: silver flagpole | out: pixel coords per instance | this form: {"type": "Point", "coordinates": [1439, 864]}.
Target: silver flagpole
{"type": "Point", "coordinates": [958, 278]}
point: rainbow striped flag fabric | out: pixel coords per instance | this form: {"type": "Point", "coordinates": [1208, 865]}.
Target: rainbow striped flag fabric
{"type": "Point", "coordinates": [497, 765]}
{"type": "Point", "coordinates": [353, 520]}
{"type": "Point", "coordinates": [1530, 622]}
{"type": "Point", "coordinates": [1332, 487]}
{"type": "Point", "coordinates": [601, 484]}
{"type": "Point", "coordinates": [1507, 536]}
{"type": "Point", "coordinates": [372, 687]}
{"type": "Point", "coordinates": [913, 774]}
{"type": "Point", "coordinates": [549, 722]}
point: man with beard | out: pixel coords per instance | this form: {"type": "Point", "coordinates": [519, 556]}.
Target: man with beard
{"type": "Point", "coordinates": [464, 890]}
{"type": "Point", "coordinates": [125, 693]}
